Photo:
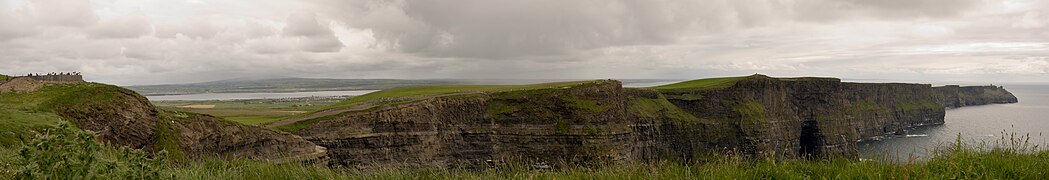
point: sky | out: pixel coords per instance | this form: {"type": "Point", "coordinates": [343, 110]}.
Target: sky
{"type": "Point", "coordinates": [139, 42]}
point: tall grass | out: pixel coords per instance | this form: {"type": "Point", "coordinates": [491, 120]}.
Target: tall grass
{"type": "Point", "coordinates": [1010, 157]}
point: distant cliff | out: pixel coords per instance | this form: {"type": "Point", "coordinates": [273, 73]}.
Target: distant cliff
{"type": "Point", "coordinates": [599, 121]}
{"type": "Point", "coordinates": [955, 96]}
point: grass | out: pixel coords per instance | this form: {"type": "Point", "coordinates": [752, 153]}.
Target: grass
{"type": "Point", "coordinates": [652, 108]}
{"type": "Point", "coordinates": [1010, 159]}
{"type": "Point", "coordinates": [867, 106]}
{"type": "Point", "coordinates": [254, 120]}
{"type": "Point", "coordinates": [954, 161]}
{"type": "Point", "coordinates": [22, 113]}
{"type": "Point", "coordinates": [251, 111]}
{"type": "Point", "coordinates": [4, 77]}
{"type": "Point", "coordinates": [704, 84]}
{"type": "Point", "coordinates": [749, 109]}
{"type": "Point", "coordinates": [914, 105]}
{"type": "Point", "coordinates": [19, 124]}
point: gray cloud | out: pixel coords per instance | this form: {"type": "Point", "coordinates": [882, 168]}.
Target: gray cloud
{"type": "Point", "coordinates": [130, 27]}
{"type": "Point", "coordinates": [73, 13]}
{"type": "Point", "coordinates": [507, 28]}
{"type": "Point", "coordinates": [312, 36]}
{"type": "Point", "coordinates": [148, 42]}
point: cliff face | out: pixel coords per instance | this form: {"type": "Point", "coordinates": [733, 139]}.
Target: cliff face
{"type": "Point", "coordinates": [960, 96]}
{"type": "Point", "coordinates": [809, 116]}
{"type": "Point", "coordinates": [603, 122]}
{"type": "Point", "coordinates": [582, 123]}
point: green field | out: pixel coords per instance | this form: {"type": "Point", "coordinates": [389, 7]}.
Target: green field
{"type": "Point", "coordinates": [283, 85]}
{"type": "Point", "coordinates": [702, 84]}
{"type": "Point", "coordinates": [4, 77]}
{"type": "Point", "coordinates": [251, 111]}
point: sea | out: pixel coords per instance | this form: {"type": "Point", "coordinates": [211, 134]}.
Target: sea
{"type": "Point", "coordinates": [236, 96]}
{"type": "Point", "coordinates": [986, 126]}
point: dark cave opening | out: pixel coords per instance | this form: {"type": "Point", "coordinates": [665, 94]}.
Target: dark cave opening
{"type": "Point", "coordinates": [810, 140]}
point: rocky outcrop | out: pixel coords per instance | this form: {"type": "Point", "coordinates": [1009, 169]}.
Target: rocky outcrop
{"type": "Point", "coordinates": [205, 135]}
{"type": "Point", "coordinates": [19, 85]}
{"type": "Point", "coordinates": [124, 118]}
{"type": "Point", "coordinates": [603, 122]}
{"type": "Point", "coordinates": [955, 96]}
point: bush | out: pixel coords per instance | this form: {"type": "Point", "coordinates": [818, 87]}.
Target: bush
{"type": "Point", "coordinates": [66, 152]}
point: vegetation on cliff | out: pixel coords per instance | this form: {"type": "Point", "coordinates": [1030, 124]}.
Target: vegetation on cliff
{"type": "Point", "coordinates": [26, 113]}
{"type": "Point", "coordinates": [1011, 159]}
{"type": "Point", "coordinates": [122, 118]}
{"type": "Point", "coordinates": [411, 93]}
{"type": "Point", "coordinates": [705, 84]}
{"type": "Point", "coordinates": [4, 77]}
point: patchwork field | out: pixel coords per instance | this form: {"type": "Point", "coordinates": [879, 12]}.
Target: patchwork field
{"type": "Point", "coordinates": [252, 111]}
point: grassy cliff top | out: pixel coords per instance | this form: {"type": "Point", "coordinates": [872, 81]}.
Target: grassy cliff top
{"type": "Point", "coordinates": [709, 83]}
{"type": "Point", "coordinates": [425, 91]}
{"type": "Point", "coordinates": [724, 82]}
{"type": "Point", "coordinates": [24, 112]}
{"type": "Point", "coordinates": [4, 77]}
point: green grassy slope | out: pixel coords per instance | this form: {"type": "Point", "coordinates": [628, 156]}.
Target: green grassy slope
{"type": "Point", "coordinates": [22, 113]}
{"type": "Point", "coordinates": [703, 84]}
{"type": "Point", "coordinates": [4, 77]}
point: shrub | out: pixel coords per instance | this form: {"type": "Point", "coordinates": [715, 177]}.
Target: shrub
{"type": "Point", "coordinates": [65, 152]}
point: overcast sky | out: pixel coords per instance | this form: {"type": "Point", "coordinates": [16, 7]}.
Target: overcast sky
{"type": "Point", "coordinates": [133, 42]}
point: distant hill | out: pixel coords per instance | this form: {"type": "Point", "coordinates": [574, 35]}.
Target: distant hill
{"type": "Point", "coordinates": [282, 85]}
{"type": "Point", "coordinates": [310, 84]}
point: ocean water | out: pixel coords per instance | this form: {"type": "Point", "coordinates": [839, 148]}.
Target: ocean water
{"type": "Point", "coordinates": [986, 125]}
{"type": "Point", "coordinates": [233, 96]}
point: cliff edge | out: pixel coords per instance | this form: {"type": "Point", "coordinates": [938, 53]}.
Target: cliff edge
{"type": "Point", "coordinates": [600, 121]}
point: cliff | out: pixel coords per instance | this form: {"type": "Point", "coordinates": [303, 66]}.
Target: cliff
{"type": "Point", "coordinates": [955, 96]}
{"type": "Point", "coordinates": [123, 118]}
{"type": "Point", "coordinates": [599, 121]}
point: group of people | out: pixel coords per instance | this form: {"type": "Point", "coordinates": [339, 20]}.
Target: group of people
{"type": "Point", "coordinates": [56, 74]}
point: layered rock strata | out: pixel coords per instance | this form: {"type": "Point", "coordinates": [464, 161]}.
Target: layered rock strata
{"type": "Point", "coordinates": [600, 121]}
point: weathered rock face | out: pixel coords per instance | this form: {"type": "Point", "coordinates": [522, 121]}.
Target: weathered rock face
{"type": "Point", "coordinates": [603, 122]}
{"type": "Point", "coordinates": [204, 135]}
{"type": "Point", "coordinates": [583, 123]}
{"type": "Point", "coordinates": [809, 116]}
{"type": "Point", "coordinates": [960, 96]}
